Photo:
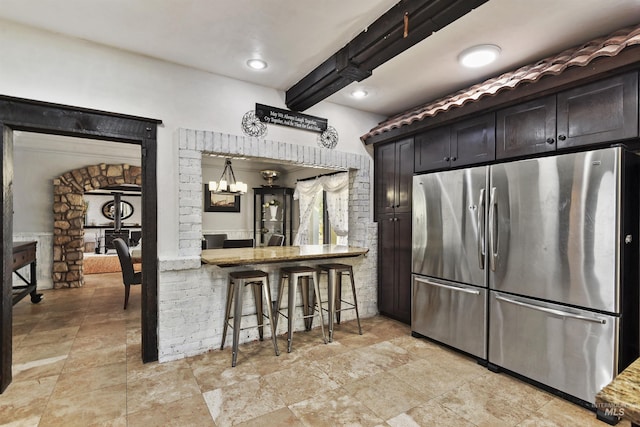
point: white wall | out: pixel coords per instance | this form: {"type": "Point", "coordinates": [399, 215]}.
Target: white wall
{"type": "Point", "coordinates": [49, 67]}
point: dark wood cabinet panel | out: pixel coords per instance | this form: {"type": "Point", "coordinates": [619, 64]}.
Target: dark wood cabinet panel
{"type": "Point", "coordinates": [527, 128]}
{"type": "Point", "coordinates": [603, 111]}
{"type": "Point", "coordinates": [473, 141]}
{"type": "Point", "coordinates": [468, 142]}
{"type": "Point", "coordinates": [393, 166]}
{"type": "Point", "coordinates": [393, 182]}
{"type": "Point", "coordinates": [394, 266]}
{"type": "Point", "coordinates": [384, 179]}
{"type": "Point", "coordinates": [432, 150]}
{"type": "Point", "coordinates": [402, 309]}
{"type": "Point", "coordinates": [404, 175]}
{"type": "Point", "coordinates": [386, 269]}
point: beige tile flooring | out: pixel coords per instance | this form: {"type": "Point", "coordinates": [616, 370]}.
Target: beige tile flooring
{"type": "Point", "coordinates": [77, 363]}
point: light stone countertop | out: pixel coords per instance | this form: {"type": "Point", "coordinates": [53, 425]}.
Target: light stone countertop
{"type": "Point", "coordinates": [622, 395]}
{"type": "Point", "coordinates": [269, 254]}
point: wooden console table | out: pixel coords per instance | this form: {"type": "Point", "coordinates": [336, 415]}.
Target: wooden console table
{"type": "Point", "coordinates": [24, 253]}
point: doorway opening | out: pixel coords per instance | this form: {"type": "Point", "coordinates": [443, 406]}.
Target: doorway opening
{"type": "Point", "coordinates": [33, 116]}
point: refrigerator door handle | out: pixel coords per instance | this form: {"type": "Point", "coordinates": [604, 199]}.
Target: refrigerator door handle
{"type": "Point", "coordinates": [493, 230]}
{"type": "Point", "coordinates": [450, 287]}
{"type": "Point", "coordinates": [552, 311]}
{"type": "Point", "coordinates": [481, 230]}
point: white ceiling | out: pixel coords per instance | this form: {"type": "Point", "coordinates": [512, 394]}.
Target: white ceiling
{"type": "Point", "coordinates": [294, 36]}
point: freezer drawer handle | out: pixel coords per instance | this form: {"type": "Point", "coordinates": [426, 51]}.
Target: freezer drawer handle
{"type": "Point", "coordinates": [481, 230]}
{"type": "Point", "coordinates": [552, 311]}
{"type": "Point", "coordinates": [452, 288]}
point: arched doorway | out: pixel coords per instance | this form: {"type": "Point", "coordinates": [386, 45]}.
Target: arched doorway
{"type": "Point", "coordinates": [68, 212]}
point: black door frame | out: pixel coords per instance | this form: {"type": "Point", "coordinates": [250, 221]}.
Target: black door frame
{"type": "Point", "coordinates": [41, 117]}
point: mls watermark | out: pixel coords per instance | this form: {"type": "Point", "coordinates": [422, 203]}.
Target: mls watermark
{"type": "Point", "coordinates": [611, 409]}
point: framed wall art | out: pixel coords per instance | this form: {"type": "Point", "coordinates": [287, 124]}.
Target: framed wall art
{"type": "Point", "coordinates": [214, 202]}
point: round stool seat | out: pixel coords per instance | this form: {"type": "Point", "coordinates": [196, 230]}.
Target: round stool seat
{"type": "Point", "coordinates": [335, 266]}
{"type": "Point", "coordinates": [248, 274]}
{"type": "Point", "coordinates": [298, 269]}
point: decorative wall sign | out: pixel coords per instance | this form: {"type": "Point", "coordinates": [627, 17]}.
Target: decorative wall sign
{"type": "Point", "coordinates": [252, 126]}
{"type": "Point", "coordinates": [278, 116]}
{"type": "Point", "coordinates": [328, 138]}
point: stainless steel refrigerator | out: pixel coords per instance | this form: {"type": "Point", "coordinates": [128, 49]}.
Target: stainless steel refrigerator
{"type": "Point", "coordinates": [532, 265]}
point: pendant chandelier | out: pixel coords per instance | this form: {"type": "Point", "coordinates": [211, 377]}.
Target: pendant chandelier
{"type": "Point", "coordinates": [227, 183]}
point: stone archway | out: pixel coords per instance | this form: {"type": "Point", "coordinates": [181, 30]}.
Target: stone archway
{"type": "Point", "coordinates": [68, 215]}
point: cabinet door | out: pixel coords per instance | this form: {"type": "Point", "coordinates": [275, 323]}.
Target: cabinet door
{"type": "Point", "coordinates": [394, 266]}
{"type": "Point", "coordinates": [402, 262]}
{"type": "Point", "coordinates": [432, 150]}
{"type": "Point", "coordinates": [384, 179]}
{"type": "Point", "coordinates": [603, 111]}
{"type": "Point", "coordinates": [386, 267]}
{"type": "Point", "coordinates": [473, 141]}
{"type": "Point", "coordinates": [404, 175]}
{"type": "Point", "coordinates": [527, 128]}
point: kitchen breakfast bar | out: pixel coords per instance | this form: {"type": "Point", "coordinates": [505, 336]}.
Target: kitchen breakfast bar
{"type": "Point", "coordinates": [270, 254]}
{"type": "Point", "coordinates": [192, 300]}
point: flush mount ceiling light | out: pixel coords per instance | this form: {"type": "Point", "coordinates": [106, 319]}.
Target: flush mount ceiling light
{"type": "Point", "coordinates": [359, 93]}
{"type": "Point", "coordinates": [257, 64]}
{"type": "Point", "coordinates": [479, 56]}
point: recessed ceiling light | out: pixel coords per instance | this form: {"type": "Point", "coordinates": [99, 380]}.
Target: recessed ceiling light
{"type": "Point", "coordinates": [479, 56]}
{"type": "Point", "coordinates": [359, 93]}
{"type": "Point", "coordinates": [257, 64]}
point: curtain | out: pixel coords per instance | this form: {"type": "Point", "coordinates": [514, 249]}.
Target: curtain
{"type": "Point", "coordinates": [306, 193]}
{"type": "Point", "coordinates": [337, 188]}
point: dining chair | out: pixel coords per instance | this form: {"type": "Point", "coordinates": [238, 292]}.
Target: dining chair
{"type": "Point", "coordinates": [129, 277]}
{"type": "Point", "coordinates": [237, 243]}
{"type": "Point", "coordinates": [214, 241]}
{"type": "Point", "coordinates": [276, 240]}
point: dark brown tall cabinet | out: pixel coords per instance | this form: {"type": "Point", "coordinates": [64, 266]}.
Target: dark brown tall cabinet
{"type": "Point", "coordinates": [393, 177]}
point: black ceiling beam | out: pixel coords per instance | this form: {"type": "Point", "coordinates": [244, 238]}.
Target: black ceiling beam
{"type": "Point", "coordinates": [387, 37]}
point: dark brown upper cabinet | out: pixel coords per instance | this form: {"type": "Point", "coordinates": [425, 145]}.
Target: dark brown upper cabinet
{"type": "Point", "coordinates": [470, 141]}
{"type": "Point", "coordinates": [526, 129]}
{"type": "Point", "coordinates": [393, 165]}
{"type": "Point", "coordinates": [606, 110]}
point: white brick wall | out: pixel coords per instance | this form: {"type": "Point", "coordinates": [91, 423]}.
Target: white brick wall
{"type": "Point", "coordinates": [191, 297]}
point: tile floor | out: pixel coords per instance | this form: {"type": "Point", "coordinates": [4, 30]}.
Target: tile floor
{"type": "Point", "coordinates": [77, 363]}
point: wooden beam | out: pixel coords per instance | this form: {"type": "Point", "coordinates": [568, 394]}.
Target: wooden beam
{"type": "Point", "coordinates": [404, 25]}
{"type": "Point", "coordinates": [6, 299]}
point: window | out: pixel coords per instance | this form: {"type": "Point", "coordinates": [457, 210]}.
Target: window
{"type": "Point", "coordinates": [319, 230]}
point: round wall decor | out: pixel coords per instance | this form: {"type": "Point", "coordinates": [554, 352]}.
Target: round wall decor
{"type": "Point", "coordinates": [328, 138]}
{"type": "Point", "coordinates": [252, 126]}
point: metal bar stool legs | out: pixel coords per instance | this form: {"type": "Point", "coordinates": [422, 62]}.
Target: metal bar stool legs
{"type": "Point", "coordinates": [334, 294]}
{"type": "Point", "coordinates": [237, 281]}
{"type": "Point", "coordinates": [299, 276]}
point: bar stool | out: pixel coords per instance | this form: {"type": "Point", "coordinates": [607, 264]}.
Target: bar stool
{"type": "Point", "coordinates": [237, 281]}
{"type": "Point", "coordinates": [334, 284]}
{"type": "Point", "coordinates": [299, 275]}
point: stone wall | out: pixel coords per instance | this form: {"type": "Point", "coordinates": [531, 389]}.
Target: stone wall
{"type": "Point", "coordinates": [68, 215]}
